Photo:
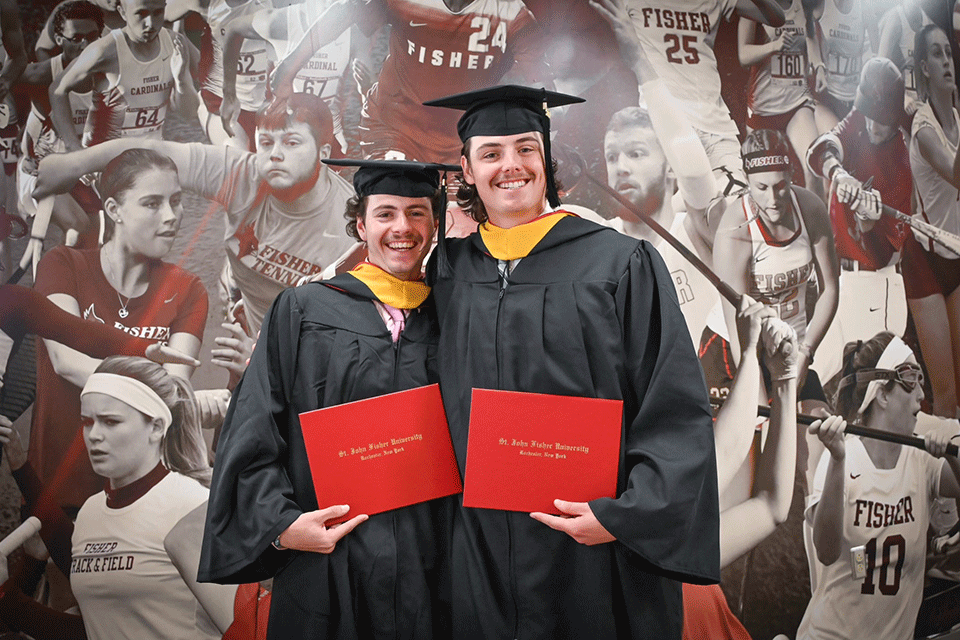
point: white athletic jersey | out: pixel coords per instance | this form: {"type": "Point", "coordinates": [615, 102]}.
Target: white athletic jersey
{"type": "Point", "coordinates": [678, 37]}
{"type": "Point", "coordinates": [779, 271]}
{"type": "Point", "coordinates": [40, 139]}
{"type": "Point", "coordinates": [255, 59]}
{"type": "Point", "coordinates": [321, 74]}
{"type": "Point", "coordinates": [907, 36]}
{"type": "Point", "coordinates": [135, 104]}
{"type": "Point", "coordinates": [887, 511]}
{"type": "Point", "coordinates": [779, 83]}
{"type": "Point", "coordinates": [269, 248]}
{"type": "Point", "coordinates": [842, 45]}
{"type": "Point", "coordinates": [938, 201]}
{"type": "Point", "coordinates": [123, 579]}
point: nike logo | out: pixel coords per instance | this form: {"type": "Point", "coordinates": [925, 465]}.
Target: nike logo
{"type": "Point", "coordinates": [171, 299]}
{"type": "Point", "coordinates": [417, 24]}
{"type": "Point", "coordinates": [854, 477]}
{"type": "Point", "coordinates": [872, 309]}
{"type": "Point", "coordinates": [760, 258]}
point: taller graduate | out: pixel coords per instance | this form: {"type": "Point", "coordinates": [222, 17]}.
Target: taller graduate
{"type": "Point", "coordinates": [361, 334]}
{"type": "Point", "coordinates": [539, 300]}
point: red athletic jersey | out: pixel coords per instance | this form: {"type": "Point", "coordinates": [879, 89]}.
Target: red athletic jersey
{"type": "Point", "coordinates": [174, 302]}
{"type": "Point", "coordinates": [435, 52]}
{"type": "Point", "coordinates": [889, 166]}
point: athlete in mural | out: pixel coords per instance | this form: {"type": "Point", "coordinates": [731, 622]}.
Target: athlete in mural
{"type": "Point", "coordinates": [837, 41]}
{"type": "Point", "coordinates": [898, 30]}
{"type": "Point", "coordinates": [282, 203]}
{"type": "Point", "coordinates": [125, 284]}
{"type": "Point", "coordinates": [249, 72]}
{"type": "Point", "coordinates": [137, 71]}
{"type": "Point", "coordinates": [779, 97]}
{"type": "Point", "coordinates": [436, 47]}
{"type": "Point", "coordinates": [867, 146]}
{"type": "Point", "coordinates": [76, 24]}
{"type": "Point", "coordinates": [871, 501]}
{"type": "Point", "coordinates": [326, 74]}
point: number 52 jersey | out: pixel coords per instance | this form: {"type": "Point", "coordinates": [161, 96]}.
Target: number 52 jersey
{"type": "Point", "coordinates": [678, 37]}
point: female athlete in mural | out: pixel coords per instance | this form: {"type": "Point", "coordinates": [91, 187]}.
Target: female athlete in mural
{"type": "Point", "coordinates": [126, 284]}
{"type": "Point", "coordinates": [931, 273]}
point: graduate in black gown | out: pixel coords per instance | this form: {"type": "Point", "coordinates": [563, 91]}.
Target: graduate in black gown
{"type": "Point", "coordinates": [542, 301]}
{"type": "Point", "coordinates": [364, 333]}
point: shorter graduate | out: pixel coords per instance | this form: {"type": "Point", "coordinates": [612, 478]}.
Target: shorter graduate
{"type": "Point", "coordinates": [364, 333]}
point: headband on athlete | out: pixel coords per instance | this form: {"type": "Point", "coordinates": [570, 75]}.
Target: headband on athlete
{"type": "Point", "coordinates": [132, 392]}
{"type": "Point", "coordinates": [763, 161]}
{"type": "Point", "coordinates": [892, 365]}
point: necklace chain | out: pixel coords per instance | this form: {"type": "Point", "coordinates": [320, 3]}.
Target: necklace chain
{"type": "Point", "coordinates": [123, 313]}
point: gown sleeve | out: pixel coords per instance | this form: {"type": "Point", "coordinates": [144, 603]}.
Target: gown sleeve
{"type": "Point", "coordinates": [251, 495]}
{"type": "Point", "coordinates": [668, 511]}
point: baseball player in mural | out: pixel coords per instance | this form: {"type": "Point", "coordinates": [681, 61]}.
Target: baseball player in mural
{"type": "Point", "coordinates": [836, 32]}
{"type": "Point", "coordinates": [866, 147]}
{"type": "Point", "coordinates": [137, 71]}
{"type": "Point", "coordinates": [871, 501]}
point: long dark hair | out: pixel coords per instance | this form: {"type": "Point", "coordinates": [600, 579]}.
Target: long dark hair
{"type": "Point", "coordinates": [183, 448]}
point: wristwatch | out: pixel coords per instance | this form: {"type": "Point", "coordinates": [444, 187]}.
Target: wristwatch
{"type": "Point", "coordinates": [276, 544]}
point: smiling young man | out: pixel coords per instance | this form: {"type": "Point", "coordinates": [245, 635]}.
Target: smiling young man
{"type": "Point", "coordinates": [368, 332]}
{"type": "Point", "coordinates": [282, 203]}
{"type": "Point", "coordinates": [543, 301]}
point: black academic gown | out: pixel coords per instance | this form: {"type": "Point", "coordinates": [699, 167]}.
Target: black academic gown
{"type": "Point", "coordinates": [322, 344]}
{"type": "Point", "coordinates": [589, 312]}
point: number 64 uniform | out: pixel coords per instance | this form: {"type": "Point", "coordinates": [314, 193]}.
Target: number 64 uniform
{"type": "Point", "coordinates": [134, 102]}
{"type": "Point", "coordinates": [887, 511]}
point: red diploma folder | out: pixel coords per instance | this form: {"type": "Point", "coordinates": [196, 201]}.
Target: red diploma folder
{"type": "Point", "coordinates": [381, 453]}
{"type": "Point", "coordinates": [525, 450]}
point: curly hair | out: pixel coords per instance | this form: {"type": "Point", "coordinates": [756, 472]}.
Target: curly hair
{"type": "Point", "coordinates": [469, 200]}
{"type": "Point", "coordinates": [76, 10]}
{"type": "Point", "coordinates": [357, 210]}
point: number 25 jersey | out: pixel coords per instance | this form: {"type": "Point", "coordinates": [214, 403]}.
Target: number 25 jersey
{"type": "Point", "coordinates": [678, 37]}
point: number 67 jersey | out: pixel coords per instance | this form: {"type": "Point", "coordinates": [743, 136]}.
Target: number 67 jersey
{"type": "Point", "coordinates": [678, 37]}
{"type": "Point", "coordinates": [886, 511]}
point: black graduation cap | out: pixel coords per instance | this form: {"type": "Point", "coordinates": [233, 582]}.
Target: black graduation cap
{"type": "Point", "coordinates": [507, 110]}
{"type": "Point", "coordinates": [395, 177]}
{"type": "Point", "coordinates": [403, 178]}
